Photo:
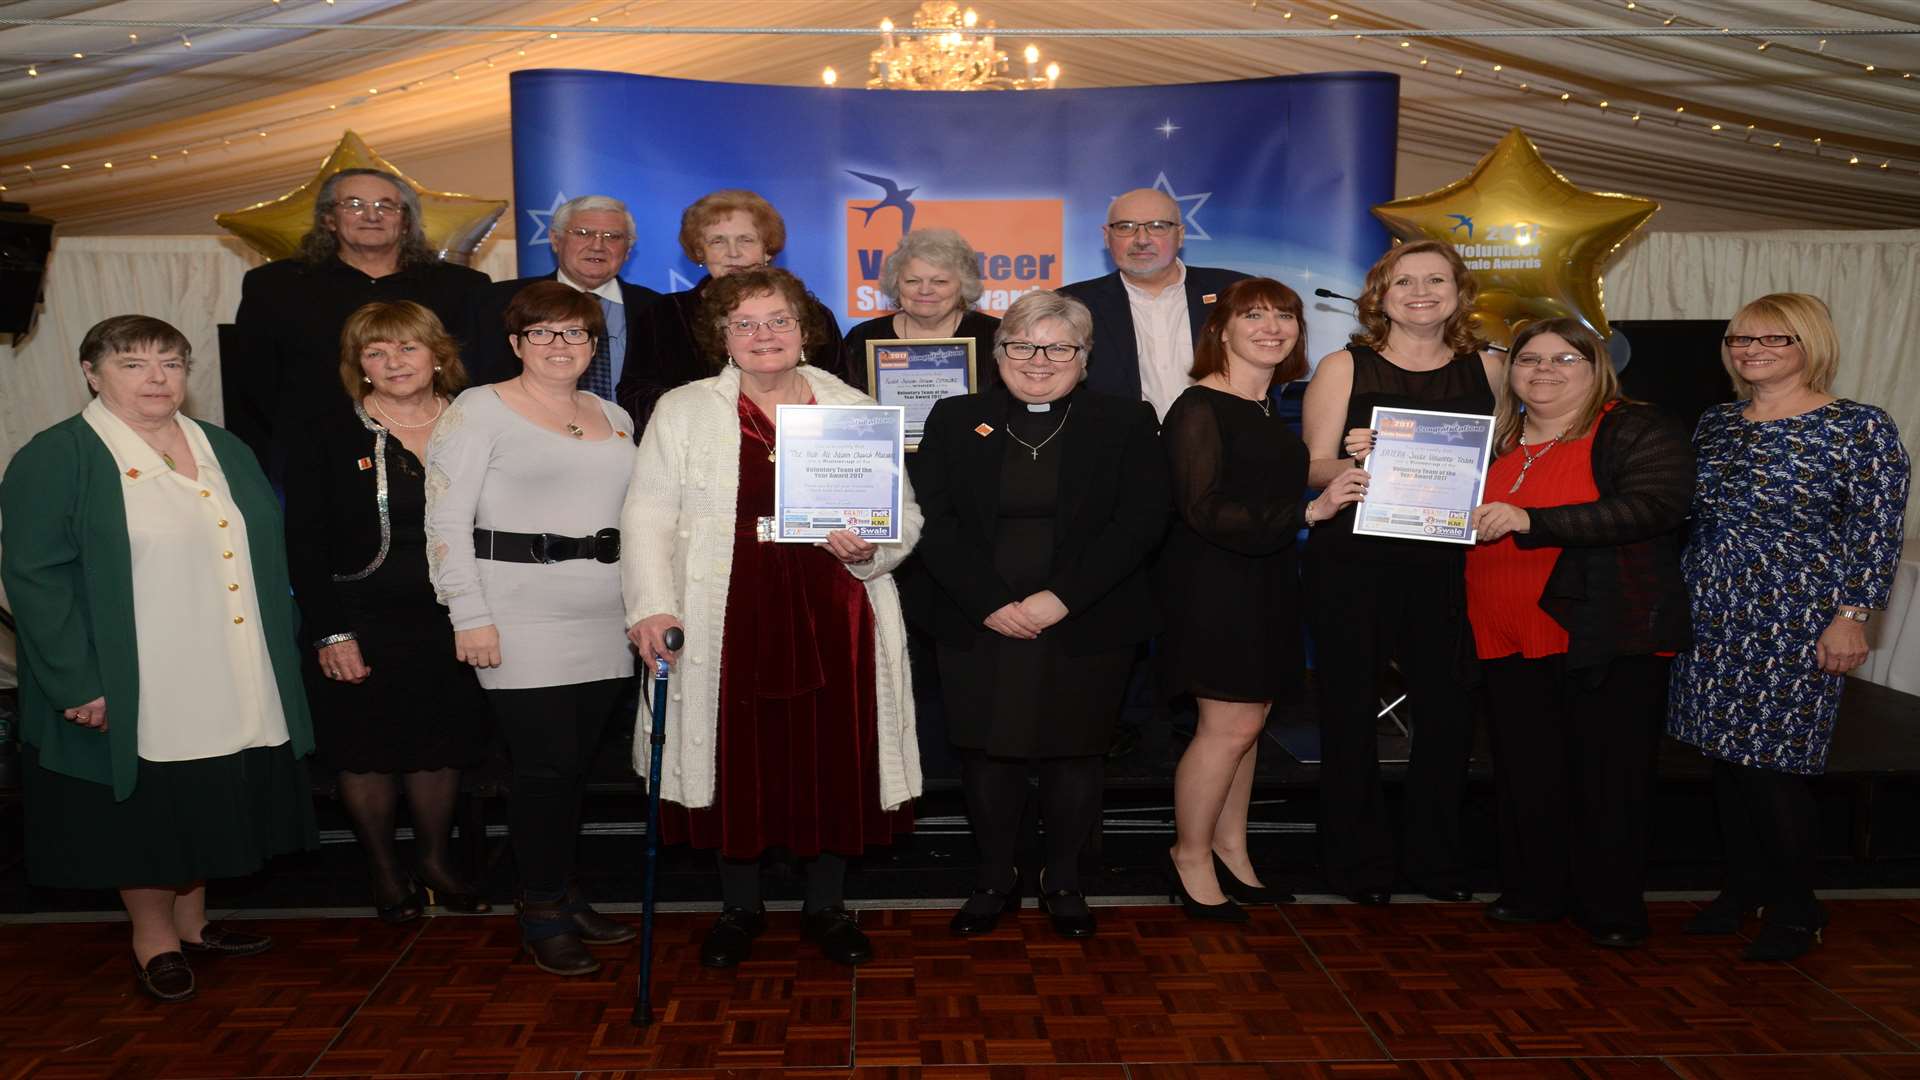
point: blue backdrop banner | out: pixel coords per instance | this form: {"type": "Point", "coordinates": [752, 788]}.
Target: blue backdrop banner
{"type": "Point", "coordinates": [1273, 176]}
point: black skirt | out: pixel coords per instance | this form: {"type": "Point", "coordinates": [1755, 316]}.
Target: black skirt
{"type": "Point", "coordinates": [186, 821]}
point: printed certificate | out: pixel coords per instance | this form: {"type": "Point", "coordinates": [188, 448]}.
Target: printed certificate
{"type": "Point", "coordinates": [1429, 470]}
{"type": "Point", "coordinates": [838, 467]}
{"type": "Point", "coordinates": [913, 373]}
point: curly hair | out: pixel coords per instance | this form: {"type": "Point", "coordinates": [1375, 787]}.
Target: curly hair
{"type": "Point", "coordinates": [397, 321]}
{"type": "Point", "coordinates": [1372, 306]}
{"type": "Point", "coordinates": [943, 248]}
{"type": "Point", "coordinates": [321, 244]}
{"type": "Point", "coordinates": [714, 205]}
{"type": "Point", "coordinates": [724, 294]}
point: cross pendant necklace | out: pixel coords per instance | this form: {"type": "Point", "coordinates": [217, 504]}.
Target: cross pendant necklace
{"type": "Point", "coordinates": [1033, 449]}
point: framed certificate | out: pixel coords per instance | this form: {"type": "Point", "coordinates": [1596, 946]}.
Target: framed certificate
{"type": "Point", "coordinates": [913, 373]}
{"type": "Point", "coordinates": [838, 467]}
{"type": "Point", "coordinates": [1429, 471]}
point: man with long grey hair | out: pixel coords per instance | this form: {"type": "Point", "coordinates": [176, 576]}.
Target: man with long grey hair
{"type": "Point", "coordinates": [367, 244]}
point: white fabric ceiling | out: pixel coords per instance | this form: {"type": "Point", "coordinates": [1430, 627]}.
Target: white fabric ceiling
{"type": "Point", "coordinates": [132, 102]}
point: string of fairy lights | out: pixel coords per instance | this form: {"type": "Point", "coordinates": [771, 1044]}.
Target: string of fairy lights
{"type": "Point", "coordinates": [1418, 51]}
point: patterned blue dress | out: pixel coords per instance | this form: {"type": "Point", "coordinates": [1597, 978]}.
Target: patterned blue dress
{"type": "Point", "coordinates": [1791, 518]}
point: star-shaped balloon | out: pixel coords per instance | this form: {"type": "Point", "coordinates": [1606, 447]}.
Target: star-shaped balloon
{"type": "Point", "coordinates": [1534, 241]}
{"type": "Point", "coordinates": [455, 224]}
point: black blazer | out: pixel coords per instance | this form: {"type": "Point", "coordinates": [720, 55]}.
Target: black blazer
{"type": "Point", "coordinates": [1114, 366]}
{"type": "Point", "coordinates": [1114, 509]}
{"type": "Point", "coordinates": [488, 357]}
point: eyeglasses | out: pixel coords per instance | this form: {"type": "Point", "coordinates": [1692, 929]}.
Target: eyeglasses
{"type": "Point", "coordinates": [1771, 341]}
{"type": "Point", "coordinates": [604, 235]}
{"type": "Point", "coordinates": [362, 208]}
{"type": "Point", "coordinates": [779, 324]}
{"type": "Point", "coordinates": [1562, 360]}
{"type": "Point", "coordinates": [1059, 352]}
{"type": "Point", "coordinates": [572, 335]}
{"type": "Point", "coordinates": [1154, 228]}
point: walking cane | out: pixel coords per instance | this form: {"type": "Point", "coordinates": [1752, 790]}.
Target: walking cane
{"type": "Point", "coordinates": [643, 1002]}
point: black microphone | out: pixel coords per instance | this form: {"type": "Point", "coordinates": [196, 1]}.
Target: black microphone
{"type": "Point", "coordinates": [1331, 295]}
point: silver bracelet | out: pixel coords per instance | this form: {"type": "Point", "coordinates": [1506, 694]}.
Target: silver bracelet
{"type": "Point", "coordinates": [336, 639]}
{"type": "Point", "coordinates": [1856, 616]}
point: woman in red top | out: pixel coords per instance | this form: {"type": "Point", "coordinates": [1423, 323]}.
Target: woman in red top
{"type": "Point", "coordinates": [1576, 601]}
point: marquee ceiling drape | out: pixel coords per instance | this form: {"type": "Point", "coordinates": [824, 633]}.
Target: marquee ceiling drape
{"type": "Point", "coordinates": [138, 103]}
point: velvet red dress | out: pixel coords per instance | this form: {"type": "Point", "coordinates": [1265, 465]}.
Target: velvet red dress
{"type": "Point", "coordinates": [798, 751]}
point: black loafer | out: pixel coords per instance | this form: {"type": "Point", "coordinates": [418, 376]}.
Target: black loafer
{"type": "Point", "coordinates": [1723, 916]}
{"type": "Point", "coordinates": [838, 936]}
{"type": "Point", "coordinates": [1511, 911]}
{"type": "Point", "coordinates": [1620, 936]}
{"type": "Point", "coordinates": [1371, 898]}
{"type": "Point", "coordinates": [217, 940]}
{"type": "Point", "coordinates": [1076, 920]}
{"type": "Point", "coordinates": [968, 923]}
{"type": "Point", "coordinates": [1450, 896]}
{"type": "Point", "coordinates": [166, 977]}
{"type": "Point", "coordinates": [730, 940]}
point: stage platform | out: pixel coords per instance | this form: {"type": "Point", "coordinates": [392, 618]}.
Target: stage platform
{"type": "Point", "coordinates": [1421, 990]}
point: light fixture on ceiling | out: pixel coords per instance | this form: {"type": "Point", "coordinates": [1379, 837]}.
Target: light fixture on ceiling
{"type": "Point", "coordinates": [945, 53]}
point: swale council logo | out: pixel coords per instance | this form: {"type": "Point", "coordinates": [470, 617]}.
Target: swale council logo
{"type": "Point", "coordinates": [1019, 241]}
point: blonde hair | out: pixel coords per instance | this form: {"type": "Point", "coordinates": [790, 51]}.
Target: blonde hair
{"type": "Point", "coordinates": [1805, 317]}
{"type": "Point", "coordinates": [1509, 414]}
{"type": "Point", "coordinates": [397, 321]}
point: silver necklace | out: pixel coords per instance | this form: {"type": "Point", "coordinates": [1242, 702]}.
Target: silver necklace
{"type": "Point", "coordinates": [428, 422]}
{"type": "Point", "coordinates": [573, 420]}
{"type": "Point", "coordinates": [1033, 449]}
{"type": "Point", "coordinates": [1530, 457]}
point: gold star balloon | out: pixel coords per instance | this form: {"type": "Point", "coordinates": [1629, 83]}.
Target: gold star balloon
{"type": "Point", "coordinates": [455, 224]}
{"type": "Point", "coordinates": [1534, 241]}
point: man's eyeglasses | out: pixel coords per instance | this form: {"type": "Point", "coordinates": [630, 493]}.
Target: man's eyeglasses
{"type": "Point", "coordinates": [363, 208]}
{"type": "Point", "coordinates": [1060, 352]}
{"type": "Point", "coordinates": [1559, 360]}
{"type": "Point", "coordinates": [572, 335]}
{"type": "Point", "coordinates": [604, 235]}
{"type": "Point", "coordinates": [779, 324]}
{"type": "Point", "coordinates": [1771, 341]}
{"type": "Point", "coordinates": [1154, 228]}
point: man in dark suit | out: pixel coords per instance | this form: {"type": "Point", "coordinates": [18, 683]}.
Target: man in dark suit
{"type": "Point", "coordinates": [591, 236]}
{"type": "Point", "coordinates": [1148, 311]}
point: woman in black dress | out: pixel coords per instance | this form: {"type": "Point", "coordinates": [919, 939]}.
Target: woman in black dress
{"type": "Point", "coordinates": [1043, 502]}
{"type": "Point", "coordinates": [933, 281]}
{"type": "Point", "coordinates": [393, 709]}
{"type": "Point", "coordinates": [1371, 599]}
{"type": "Point", "coordinates": [1227, 579]}
{"type": "Point", "coordinates": [722, 231]}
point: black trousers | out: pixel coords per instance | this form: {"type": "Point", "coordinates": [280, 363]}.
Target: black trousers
{"type": "Point", "coordinates": [1573, 767]}
{"type": "Point", "coordinates": [1769, 822]}
{"type": "Point", "coordinates": [1362, 615]}
{"type": "Point", "coordinates": [552, 734]}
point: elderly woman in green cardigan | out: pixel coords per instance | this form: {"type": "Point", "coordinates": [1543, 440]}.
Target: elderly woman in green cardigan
{"type": "Point", "coordinates": [161, 703]}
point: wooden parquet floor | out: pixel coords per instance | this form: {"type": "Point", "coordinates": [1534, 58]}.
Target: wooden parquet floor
{"type": "Point", "coordinates": [1422, 990]}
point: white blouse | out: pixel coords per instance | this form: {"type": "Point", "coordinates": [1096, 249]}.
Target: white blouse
{"type": "Point", "coordinates": [207, 687]}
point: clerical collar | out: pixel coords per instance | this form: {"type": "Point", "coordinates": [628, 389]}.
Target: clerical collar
{"type": "Point", "coordinates": [1039, 406]}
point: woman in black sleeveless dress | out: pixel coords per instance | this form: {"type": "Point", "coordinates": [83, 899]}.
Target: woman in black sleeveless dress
{"type": "Point", "coordinates": [1371, 600]}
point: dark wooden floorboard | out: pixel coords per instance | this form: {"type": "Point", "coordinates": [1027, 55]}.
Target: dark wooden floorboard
{"type": "Point", "coordinates": [1409, 991]}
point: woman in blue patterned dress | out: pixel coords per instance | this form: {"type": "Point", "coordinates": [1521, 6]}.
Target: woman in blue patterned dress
{"type": "Point", "coordinates": [1797, 513]}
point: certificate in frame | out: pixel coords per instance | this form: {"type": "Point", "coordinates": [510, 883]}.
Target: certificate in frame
{"type": "Point", "coordinates": [838, 467]}
{"type": "Point", "coordinates": [913, 373]}
{"type": "Point", "coordinates": [1429, 471]}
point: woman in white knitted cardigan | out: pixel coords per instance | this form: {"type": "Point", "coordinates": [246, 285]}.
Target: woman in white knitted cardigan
{"type": "Point", "coordinates": [790, 722]}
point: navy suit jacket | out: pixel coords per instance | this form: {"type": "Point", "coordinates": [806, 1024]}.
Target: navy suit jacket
{"type": "Point", "coordinates": [488, 357]}
{"type": "Point", "coordinates": [1114, 366]}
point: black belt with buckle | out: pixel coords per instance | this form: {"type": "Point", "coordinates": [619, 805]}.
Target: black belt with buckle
{"type": "Point", "coordinates": [603, 546]}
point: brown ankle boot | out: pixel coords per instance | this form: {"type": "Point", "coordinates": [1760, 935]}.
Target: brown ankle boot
{"type": "Point", "coordinates": [551, 938]}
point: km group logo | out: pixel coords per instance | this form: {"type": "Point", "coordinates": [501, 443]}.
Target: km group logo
{"type": "Point", "coordinates": [1019, 242]}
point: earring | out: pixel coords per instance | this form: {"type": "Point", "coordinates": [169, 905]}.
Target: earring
{"type": "Point", "coordinates": [436, 369]}
{"type": "Point", "coordinates": [803, 355]}
{"type": "Point", "coordinates": [367, 380]}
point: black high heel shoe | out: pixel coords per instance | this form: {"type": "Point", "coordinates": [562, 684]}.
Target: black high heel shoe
{"type": "Point", "coordinates": [407, 909]}
{"type": "Point", "coordinates": [463, 901]}
{"type": "Point", "coordinates": [967, 924]}
{"type": "Point", "coordinates": [1226, 911]}
{"type": "Point", "coordinates": [1241, 892]}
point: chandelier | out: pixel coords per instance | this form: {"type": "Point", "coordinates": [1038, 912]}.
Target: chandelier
{"type": "Point", "coordinates": [947, 55]}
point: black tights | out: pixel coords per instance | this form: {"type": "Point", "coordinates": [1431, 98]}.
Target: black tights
{"type": "Point", "coordinates": [996, 790]}
{"type": "Point", "coordinates": [372, 802]}
{"type": "Point", "coordinates": [826, 882]}
{"type": "Point", "coordinates": [1768, 820]}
